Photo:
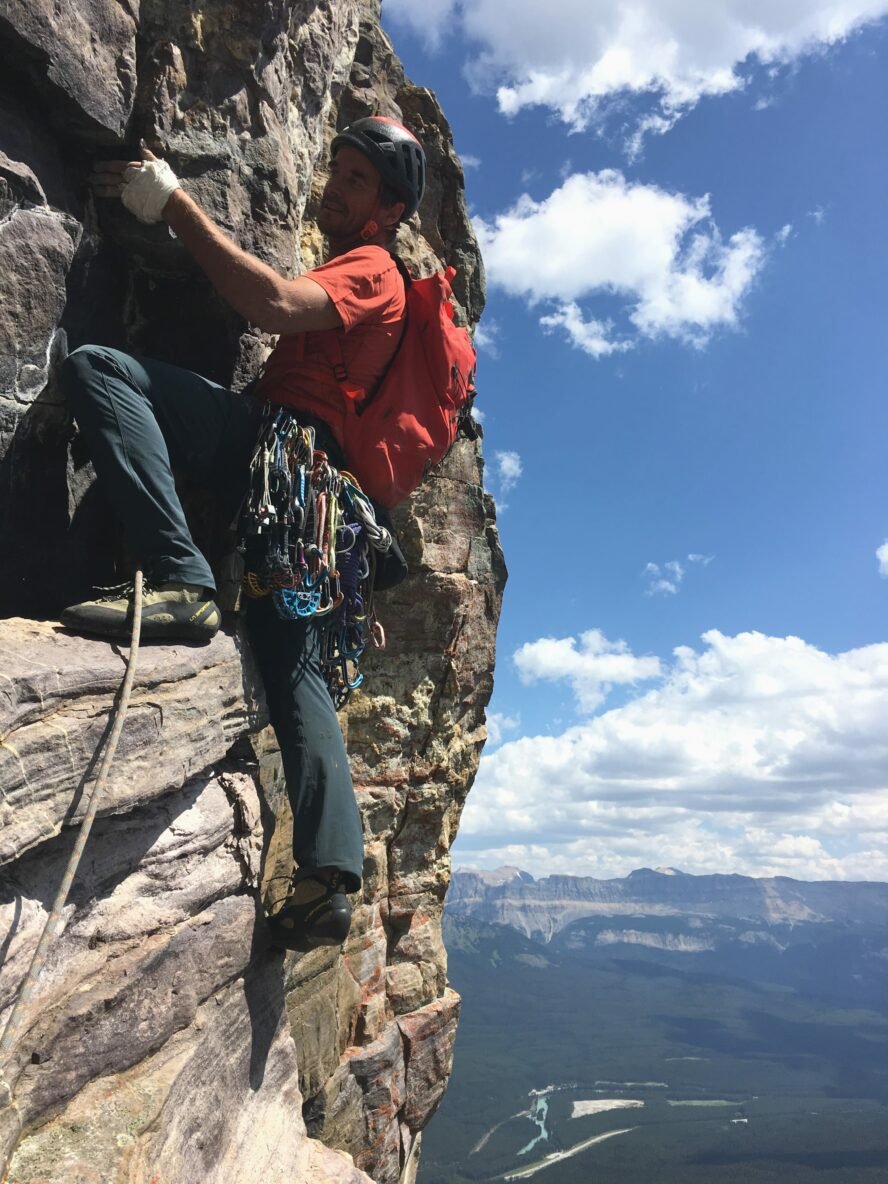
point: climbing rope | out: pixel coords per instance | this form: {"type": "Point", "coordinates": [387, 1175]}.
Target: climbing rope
{"type": "Point", "coordinates": [53, 926]}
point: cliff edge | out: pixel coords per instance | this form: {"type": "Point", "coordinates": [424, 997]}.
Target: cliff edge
{"type": "Point", "coordinates": [166, 1042]}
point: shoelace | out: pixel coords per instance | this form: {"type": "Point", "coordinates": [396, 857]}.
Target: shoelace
{"type": "Point", "coordinates": [124, 591]}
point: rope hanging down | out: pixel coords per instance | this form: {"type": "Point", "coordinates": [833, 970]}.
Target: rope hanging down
{"type": "Point", "coordinates": [53, 926]}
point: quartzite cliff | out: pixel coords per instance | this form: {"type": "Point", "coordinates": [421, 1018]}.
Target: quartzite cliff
{"type": "Point", "coordinates": [167, 1043]}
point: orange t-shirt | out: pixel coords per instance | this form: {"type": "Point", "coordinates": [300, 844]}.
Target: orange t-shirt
{"type": "Point", "coordinates": [368, 292]}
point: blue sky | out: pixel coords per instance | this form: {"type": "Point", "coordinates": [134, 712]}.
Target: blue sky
{"type": "Point", "coordinates": [683, 221]}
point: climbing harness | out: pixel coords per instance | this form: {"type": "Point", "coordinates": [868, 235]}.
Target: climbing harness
{"type": "Point", "coordinates": [310, 539]}
{"type": "Point", "coordinates": [54, 922]}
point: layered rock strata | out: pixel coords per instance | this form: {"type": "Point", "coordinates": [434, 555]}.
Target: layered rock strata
{"type": "Point", "coordinates": [166, 1041]}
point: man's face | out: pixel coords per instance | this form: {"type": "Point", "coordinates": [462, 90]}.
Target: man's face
{"type": "Point", "coordinates": [350, 195]}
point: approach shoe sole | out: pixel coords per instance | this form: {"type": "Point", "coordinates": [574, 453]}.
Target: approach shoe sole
{"type": "Point", "coordinates": [303, 927]}
{"type": "Point", "coordinates": [167, 620]}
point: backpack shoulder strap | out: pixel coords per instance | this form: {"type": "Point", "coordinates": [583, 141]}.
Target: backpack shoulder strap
{"type": "Point", "coordinates": [405, 274]}
{"type": "Point", "coordinates": [341, 373]}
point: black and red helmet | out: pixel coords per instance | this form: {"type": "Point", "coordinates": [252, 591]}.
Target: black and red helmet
{"type": "Point", "coordinates": [393, 150]}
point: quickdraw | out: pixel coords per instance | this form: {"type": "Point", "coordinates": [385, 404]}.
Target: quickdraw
{"type": "Point", "coordinates": [310, 538]}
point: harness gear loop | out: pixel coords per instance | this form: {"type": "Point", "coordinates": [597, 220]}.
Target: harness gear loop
{"type": "Point", "coordinates": [310, 537]}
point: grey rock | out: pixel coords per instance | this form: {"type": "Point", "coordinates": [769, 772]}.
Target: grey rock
{"type": "Point", "coordinates": [54, 696]}
{"type": "Point", "coordinates": [36, 250]}
{"type": "Point", "coordinates": [85, 57]}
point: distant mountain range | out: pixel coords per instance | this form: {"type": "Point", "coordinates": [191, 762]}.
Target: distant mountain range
{"type": "Point", "coordinates": [663, 1026]}
{"type": "Point", "coordinates": [706, 909]}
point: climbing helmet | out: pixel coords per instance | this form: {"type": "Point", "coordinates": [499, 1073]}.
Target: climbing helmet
{"type": "Point", "coordinates": [394, 151]}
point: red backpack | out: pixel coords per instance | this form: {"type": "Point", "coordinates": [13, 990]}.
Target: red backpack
{"type": "Point", "coordinates": [408, 423]}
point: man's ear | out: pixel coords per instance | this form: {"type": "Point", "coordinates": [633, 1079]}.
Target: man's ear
{"type": "Point", "coordinates": [390, 216]}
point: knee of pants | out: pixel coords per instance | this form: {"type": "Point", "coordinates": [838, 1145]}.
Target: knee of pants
{"type": "Point", "coordinates": [79, 366]}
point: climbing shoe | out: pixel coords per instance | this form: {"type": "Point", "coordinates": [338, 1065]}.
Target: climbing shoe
{"type": "Point", "coordinates": [316, 913]}
{"type": "Point", "coordinates": [170, 612]}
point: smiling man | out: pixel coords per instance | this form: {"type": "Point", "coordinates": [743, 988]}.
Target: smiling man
{"type": "Point", "coordinates": [339, 327]}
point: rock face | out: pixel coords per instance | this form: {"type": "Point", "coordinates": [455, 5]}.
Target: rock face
{"type": "Point", "coordinates": [166, 1042]}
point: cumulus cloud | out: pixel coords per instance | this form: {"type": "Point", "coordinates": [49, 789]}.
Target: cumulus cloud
{"type": "Point", "coordinates": [665, 579]}
{"type": "Point", "coordinates": [592, 664]}
{"type": "Point", "coordinates": [600, 235]}
{"type": "Point", "coordinates": [576, 56]}
{"type": "Point", "coordinates": [758, 754]}
{"type": "Point", "coordinates": [470, 162]}
{"type": "Point", "coordinates": [882, 556]}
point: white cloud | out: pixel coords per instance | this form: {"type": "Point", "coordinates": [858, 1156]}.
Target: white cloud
{"type": "Point", "coordinates": [658, 253]}
{"type": "Point", "coordinates": [431, 21]}
{"type": "Point", "coordinates": [882, 556]}
{"type": "Point", "coordinates": [470, 162]}
{"type": "Point", "coordinates": [783, 233]}
{"type": "Point", "coordinates": [487, 337]}
{"type": "Point", "coordinates": [591, 336]}
{"type": "Point", "coordinates": [507, 469]}
{"type": "Point", "coordinates": [573, 56]}
{"type": "Point", "coordinates": [498, 724]}
{"type": "Point", "coordinates": [756, 754]}
{"type": "Point", "coordinates": [593, 667]}
{"type": "Point", "coordinates": [665, 579]}
{"type": "Point", "coordinates": [657, 125]}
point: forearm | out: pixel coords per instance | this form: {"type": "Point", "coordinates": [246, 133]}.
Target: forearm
{"type": "Point", "coordinates": [252, 288]}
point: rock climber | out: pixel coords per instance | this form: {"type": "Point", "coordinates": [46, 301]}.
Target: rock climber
{"type": "Point", "coordinates": [142, 417]}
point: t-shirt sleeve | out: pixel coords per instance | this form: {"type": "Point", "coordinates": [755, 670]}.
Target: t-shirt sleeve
{"type": "Point", "coordinates": [363, 285]}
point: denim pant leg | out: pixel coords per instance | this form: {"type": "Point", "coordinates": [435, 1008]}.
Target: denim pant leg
{"type": "Point", "coordinates": [140, 417]}
{"type": "Point", "coordinates": [326, 821]}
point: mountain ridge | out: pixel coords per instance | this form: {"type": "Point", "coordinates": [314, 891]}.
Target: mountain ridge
{"type": "Point", "coordinates": [541, 908]}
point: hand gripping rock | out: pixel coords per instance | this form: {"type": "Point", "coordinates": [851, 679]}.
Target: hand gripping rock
{"type": "Point", "coordinates": [146, 190]}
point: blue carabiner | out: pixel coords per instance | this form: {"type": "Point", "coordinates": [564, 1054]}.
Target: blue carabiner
{"type": "Point", "coordinates": [309, 584]}
{"type": "Point", "coordinates": [350, 684]}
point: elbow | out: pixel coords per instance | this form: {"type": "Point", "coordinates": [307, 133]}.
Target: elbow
{"type": "Point", "coordinates": [298, 306]}
{"type": "Point", "coordinates": [275, 314]}
{"type": "Point", "coordinates": [270, 321]}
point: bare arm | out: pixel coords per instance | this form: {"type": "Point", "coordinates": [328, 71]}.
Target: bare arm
{"type": "Point", "coordinates": [256, 291]}
{"type": "Point", "coordinates": [251, 287]}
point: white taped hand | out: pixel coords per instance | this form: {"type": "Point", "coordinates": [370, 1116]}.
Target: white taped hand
{"type": "Point", "coordinates": [146, 190]}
